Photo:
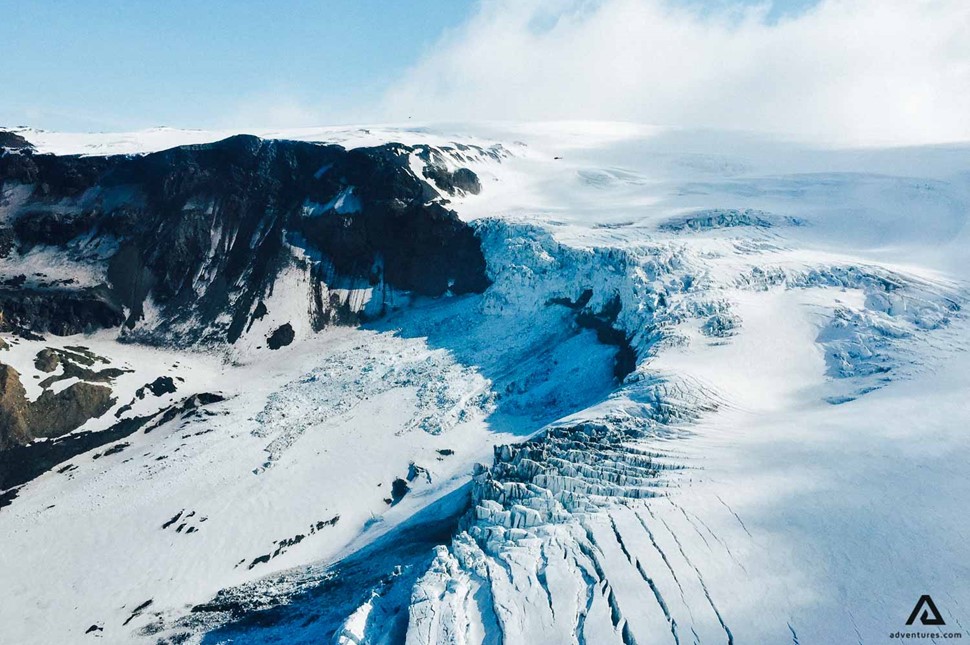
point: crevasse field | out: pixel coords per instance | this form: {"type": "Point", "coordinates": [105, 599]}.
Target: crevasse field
{"type": "Point", "coordinates": [787, 462]}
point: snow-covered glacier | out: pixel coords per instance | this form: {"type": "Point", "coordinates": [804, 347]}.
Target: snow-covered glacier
{"type": "Point", "coordinates": [482, 383]}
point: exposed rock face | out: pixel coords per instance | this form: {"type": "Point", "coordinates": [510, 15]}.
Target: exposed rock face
{"type": "Point", "coordinates": [13, 141]}
{"type": "Point", "coordinates": [197, 236]}
{"type": "Point", "coordinates": [159, 387]}
{"type": "Point", "coordinates": [58, 311]}
{"type": "Point", "coordinates": [282, 337]}
{"type": "Point", "coordinates": [6, 241]}
{"type": "Point", "coordinates": [47, 360]}
{"type": "Point", "coordinates": [452, 182]}
{"type": "Point", "coordinates": [462, 179]}
{"type": "Point", "coordinates": [13, 409]}
{"type": "Point", "coordinates": [51, 415]}
{"type": "Point", "coordinates": [73, 370]}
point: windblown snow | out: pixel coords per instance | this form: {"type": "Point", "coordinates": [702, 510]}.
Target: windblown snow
{"type": "Point", "coordinates": [783, 459]}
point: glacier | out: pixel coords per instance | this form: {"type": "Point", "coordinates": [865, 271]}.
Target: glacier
{"type": "Point", "coordinates": [713, 392]}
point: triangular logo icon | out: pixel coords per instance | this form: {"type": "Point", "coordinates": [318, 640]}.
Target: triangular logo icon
{"type": "Point", "coordinates": [930, 616]}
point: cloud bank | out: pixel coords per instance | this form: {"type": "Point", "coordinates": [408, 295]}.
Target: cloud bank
{"type": "Point", "coordinates": [843, 71]}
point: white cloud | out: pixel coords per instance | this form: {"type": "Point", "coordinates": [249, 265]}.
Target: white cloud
{"type": "Point", "coordinates": [848, 71]}
{"type": "Point", "coordinates": [272, 110]}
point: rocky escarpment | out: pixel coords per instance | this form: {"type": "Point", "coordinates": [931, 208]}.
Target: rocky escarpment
{"type": "Point", "coordinates": [55, 411]}
{"type": "Point", "coordinates": [58, 311]}
{"type": "Point", "coordinates": [13, 409]}
{"type": "Point", "coordinates": [52, 414]}
{"type": "Point", "coordinates": [13, 141]}
{"type": "Point", "coordinates": [195, 238]}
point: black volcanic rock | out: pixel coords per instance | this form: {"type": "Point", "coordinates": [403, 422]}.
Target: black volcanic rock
{"type": "Point", "coordinates": [203, 231]}
{"type": "Point", "coordinates": [7, 239]}
{"type": "Point", "coordinates": [282, 337]}
{"type": "Point", "coordinates": [461, 179]}
{"type": "Point", "coordinates": [48, 227]}
{"type": "Point", "coordinates": [13, 141]}
{"type": "Point", "coordinates": [424, 246]}
{"type": "Point", "coordinates": [58, 311]}
{"type": "Point", "coordinates": [159, 387]}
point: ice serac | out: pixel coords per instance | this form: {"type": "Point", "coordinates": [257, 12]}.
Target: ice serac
{"type": "Point", "coordinates": [187, 244]}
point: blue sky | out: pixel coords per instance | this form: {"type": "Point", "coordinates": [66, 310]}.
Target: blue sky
{"type": "Point", "coordinates": [112, 64]}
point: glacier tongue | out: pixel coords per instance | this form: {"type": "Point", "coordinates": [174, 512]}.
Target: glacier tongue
{"type": "Point", "coordinates": [593, 529]}
{"type": "Point", "coordinates": [614, 525]}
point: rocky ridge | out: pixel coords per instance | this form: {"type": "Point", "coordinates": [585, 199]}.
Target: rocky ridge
{"type": "Point", "coordinates": [186, 245]}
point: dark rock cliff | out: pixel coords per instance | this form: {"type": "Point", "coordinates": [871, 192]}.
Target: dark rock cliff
{"type": "Point", "coordinates": [203, 231]}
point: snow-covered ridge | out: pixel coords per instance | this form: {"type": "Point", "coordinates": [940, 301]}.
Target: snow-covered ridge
{"type": "Point", "coordinates": [163, 138]}
{"type": "Point", "coordinates": [788, 327]}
